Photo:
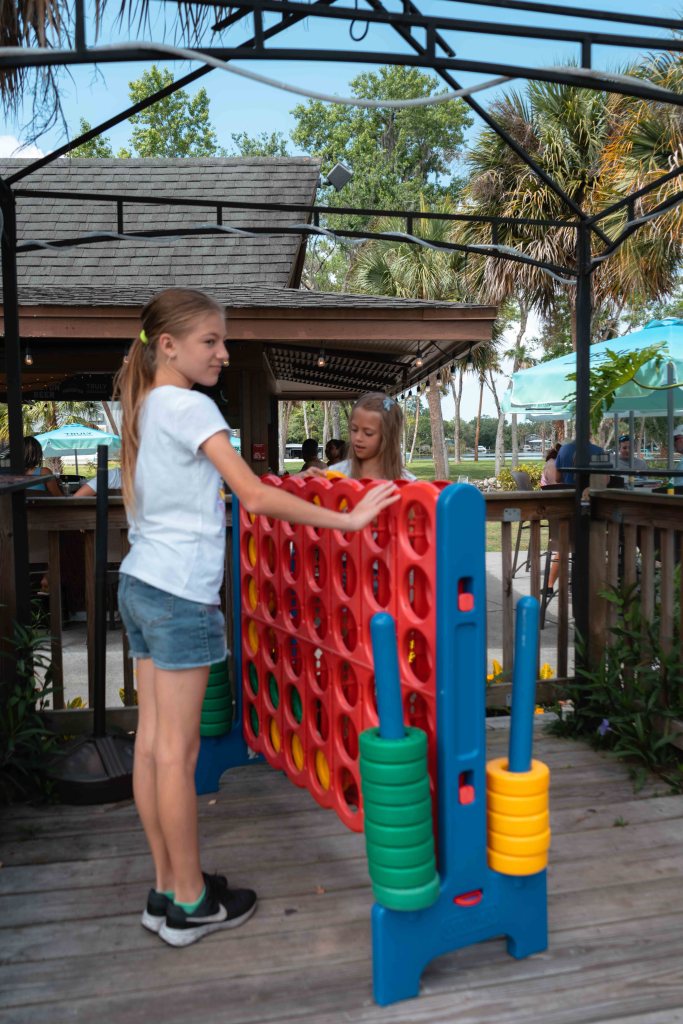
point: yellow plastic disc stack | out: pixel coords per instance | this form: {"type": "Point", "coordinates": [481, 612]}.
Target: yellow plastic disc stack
{"type": "Point", "coordinates": [518, 818]}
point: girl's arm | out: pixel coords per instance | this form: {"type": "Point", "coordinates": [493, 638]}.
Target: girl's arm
{"type": "Point", "coordinates": [52, 485]}
{"type": "Point", "coordinates": [261, 499]}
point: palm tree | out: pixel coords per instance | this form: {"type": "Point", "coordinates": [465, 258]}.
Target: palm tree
{"type": "Point", "coordinates": [567, 131]}
{"type": "Point", "coordinates": [521, 359]}
{"type": "Point", "coordinates": [413, 271]}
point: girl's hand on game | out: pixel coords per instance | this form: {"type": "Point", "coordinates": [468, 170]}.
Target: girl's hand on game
{"type": "Point", "coordinates": [374, 502]}
{"type": "Point", "coordinates": [306, 474]}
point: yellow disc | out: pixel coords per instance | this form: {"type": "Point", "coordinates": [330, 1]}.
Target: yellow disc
{"type": "Point", "coordinates": [251, 550]}
{"type": "Point", "coordinates": [343, 505]}
{"type": "Point", "coordinates": [297, 752]}
{"type": "Point", "coordinates": [519, 846]}
{"type": "Point", "coordinates": [334, 474]}
{"type": "Point", "coordinates": [516, 865]}
{"type": "Point", "coordinates": [500, 780]}
{"type": "Point", "coordinates": [517, 806]}
{"type": "Point", "coordinates": [252, 635]}
{"type": "Point", "coordinates": [322, 769]}
{"type": "Point", "coordinates": [252, 517]}
{"type": "Point", "coordinates": [316, 499]}
{"type": "Point", "coordinates": [275, 737]}
{"type": "Point", "coordinates": [507, 825]}
{"type": "Point", "coordinates": [252, 591]}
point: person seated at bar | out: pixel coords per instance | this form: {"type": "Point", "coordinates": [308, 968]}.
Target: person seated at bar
{"type": "Point", "coordinates": [566, 460]}
{"type": "Point", "coordinates": [625, 442]}
{"type": "Point", "coordinates": [309, 453]}
{"type": "Point", "coordinates": [87, 490]}
{"type": "Point", "coordinates": [33, 466]}
{"type": "Point", "coordinates": [550, 474]}
{"type": "Point", "coordinates": [335, 451]}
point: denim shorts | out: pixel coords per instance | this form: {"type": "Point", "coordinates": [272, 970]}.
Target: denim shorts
{"type": "Point", "coordinates": [174, 632]}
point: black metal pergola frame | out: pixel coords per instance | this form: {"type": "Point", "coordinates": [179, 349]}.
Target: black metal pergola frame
{"type": "Point", "coordinates": [431, 51]}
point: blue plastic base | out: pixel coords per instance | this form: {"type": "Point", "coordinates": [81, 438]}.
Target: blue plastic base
{"type": "Point", "coordinates": [404, 942]}
{"type": "Point", "coordinates": [216, 755]}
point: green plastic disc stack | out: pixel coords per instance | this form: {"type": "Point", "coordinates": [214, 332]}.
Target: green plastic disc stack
{"type": "Point", "coordinates": [216, 717]}
{"type": "Point", "coordinates": [399, 838]}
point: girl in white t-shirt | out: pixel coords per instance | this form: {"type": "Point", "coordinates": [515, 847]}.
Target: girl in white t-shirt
{"type": "Point", "coordinates": [376, 425]}
{"type": "Point", "coordinates": [175, 451]}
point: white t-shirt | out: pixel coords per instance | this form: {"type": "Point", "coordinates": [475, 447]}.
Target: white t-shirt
{"type": "Point", "coordinates": [113, 481]}
{"type": "Point", "coordinates": [345, 468]}
{"type": "Point", "coordinates": [178, 534]}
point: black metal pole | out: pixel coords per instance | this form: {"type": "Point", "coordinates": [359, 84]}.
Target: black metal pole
{"type": "Point", "coordinates": [100, 659]}
{"type": "Point", "coordinates": [582, 511]}
{"type": "Point", "coordinates": [10, 299]}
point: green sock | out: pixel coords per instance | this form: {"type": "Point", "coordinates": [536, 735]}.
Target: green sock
{"type": "Point", "coordinates": [190, 908]}
{"type": "Point", "coordinates": [168, 894]}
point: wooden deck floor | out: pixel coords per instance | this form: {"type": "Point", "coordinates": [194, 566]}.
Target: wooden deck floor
{"type": "Point", "coordinates": [73, 882]}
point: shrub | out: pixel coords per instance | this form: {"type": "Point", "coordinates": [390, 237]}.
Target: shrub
{"type": "Point", "coordinates": [534, 469]}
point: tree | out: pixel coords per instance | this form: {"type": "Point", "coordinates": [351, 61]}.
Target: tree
{"type": "Point", "coordinates": [262, 144]}
{"type": "Point", "coordinates": [396, 155]}
{"type": "Point", "coordinates": [176, 126]}
{"type": "Point", "coordinates": [413, 271]}
{"type": "Point", "coordinates": [568, 131]}
{"type": "Point", "coordinates": [98, 148]}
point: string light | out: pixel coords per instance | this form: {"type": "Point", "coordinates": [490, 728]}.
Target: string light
{"type": "Point", "coordinates": [428, 387]}
{"type": "Point", "coordinates": [439, 379]}
{"type": "Point", "coordinates": [28, 358]}
{"type": "Point", "coordinates": [322, 359]}
{"type": "Point", "coordinates": [469, 365]}
{"type": "Point", "coordinates": [419, 361]}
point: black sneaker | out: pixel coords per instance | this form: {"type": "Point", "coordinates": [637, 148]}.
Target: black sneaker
{"type": "Point", "coordinates": [220, 908]}
{"type": "Point", "coordinates": [154, 914]}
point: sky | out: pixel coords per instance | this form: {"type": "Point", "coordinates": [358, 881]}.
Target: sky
{"type": "Point", "coordinates": [241, 106]}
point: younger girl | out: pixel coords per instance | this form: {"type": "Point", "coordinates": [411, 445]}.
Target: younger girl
{"type": "Point", "coordinates": [175, 450]}
{"type": "Point", "coordinates": [375, 437]}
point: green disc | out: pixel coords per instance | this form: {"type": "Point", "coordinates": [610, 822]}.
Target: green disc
{"type": "Point", "coordinates": [219, 677]}
{"type": "Point", "coordinates": [403, 878]}
{"type": "Point", "coordinates": [393, 796]}
{"type": "Point", "coordinates": [213, 730]}
{"type": "Point", "coordinates": [214, 717]}
{"type": "Point", "coordinates": [217, 703]}
{"type": "Point", "coordinates": [393, 774]}
{"type": "Point", "coordinates": [253, 720]}
{"type": "Point", "coordinates": [412, 747]}
{"type": "Point", "coordinates": [400, 856]}
{"type": "Point", "coordinates": [409, 899]}
{"type": "Point", "coordinates": [397, 816]}
{"type": "Point", "coordinates": [398, 835]}
{"type": "Point", "coordinates": [216, 689]}
{"type": "Point", "coordinates": [296, 705]}
{"type": "Point", "coordinates": [273, 691]}
{"type": "Point", "coordinates": [253, 677]}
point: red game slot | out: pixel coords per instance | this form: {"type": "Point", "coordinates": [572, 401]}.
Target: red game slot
{"type": "Point", "coordinates": [469, 899]}
{"type": "Point", "coordinates": [465, 594]}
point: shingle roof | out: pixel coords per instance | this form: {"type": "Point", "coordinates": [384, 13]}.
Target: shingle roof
{"type": "Point", "coordinates": [214, 263]}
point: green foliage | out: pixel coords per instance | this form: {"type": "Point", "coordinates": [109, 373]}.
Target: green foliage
{"type": "Point", "coordinates": [98, 148]}
{"type": "Point", "coordinates": [263, 144]}
{"type": "Point", "coordinates": [615, 371]}
{"type": "Point", "coordinates": [623, 704]}
{"type": "Point", "coordinates": [396, 155]}
{"type": "Point", "coordinates": [178, 125]}
{"type": "Point", "coordinates": [534, 469]}
{"type": "Point", "coordinates": [26, 745]}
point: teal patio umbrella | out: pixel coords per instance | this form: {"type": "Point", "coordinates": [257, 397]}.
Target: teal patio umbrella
{"type": "Point", "coordinates": [76, 438]}
{"type": "Point", "coordinates": [540, 392]}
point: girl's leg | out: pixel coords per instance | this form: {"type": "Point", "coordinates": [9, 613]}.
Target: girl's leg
{"type": "Point", "coordinates": [145, 775]}
{"type": "Point", "coordinates": [179, 696]}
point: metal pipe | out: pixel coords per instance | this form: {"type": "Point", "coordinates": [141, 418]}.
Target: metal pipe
{"type": "Point", "coordinates": [582, 478]}
{"type": "Point", "coordinates": [8, 250]}
{"type": "Point", "coordinates": [100, 658]}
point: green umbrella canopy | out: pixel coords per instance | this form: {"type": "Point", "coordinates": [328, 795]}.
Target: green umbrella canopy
{"type": "Point", "coordinates": [75, 437]}
{"type": "Point", "coordinates": [541, 391]}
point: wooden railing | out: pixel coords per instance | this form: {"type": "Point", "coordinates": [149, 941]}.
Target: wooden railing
{"type": "Point", "coordinates": [67, 525]}
{"type": "Point", "coordinates": [635, 539]}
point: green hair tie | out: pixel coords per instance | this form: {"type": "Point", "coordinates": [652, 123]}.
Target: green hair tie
{"type": "Point", "coordinates": [143, 337]}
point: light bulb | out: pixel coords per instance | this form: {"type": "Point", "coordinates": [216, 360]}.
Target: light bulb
{"type": "Point", "coordinates": [28, 358]}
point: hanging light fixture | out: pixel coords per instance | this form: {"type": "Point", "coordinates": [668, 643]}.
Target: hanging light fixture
{"type": "Point", "coordinates": [322, 359]}
{"type": "Point", "coordinates": [453, 368]}
{"type": "Point", "coordinates": [469, 364]}
{"type": "Point", "coordinates": [439, 379]}
{"type": "Point", "coordinates": [428, 387]}
{"type": "Point", "coordinates": [28, 358]}
{"type": "Point", "coordinates": [419, 361]}
{"type": "Point", "coordinates": [410, 393]}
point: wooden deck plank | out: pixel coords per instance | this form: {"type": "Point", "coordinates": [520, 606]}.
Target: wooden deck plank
{"type": "Point", "coordinates": [75, 950]}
